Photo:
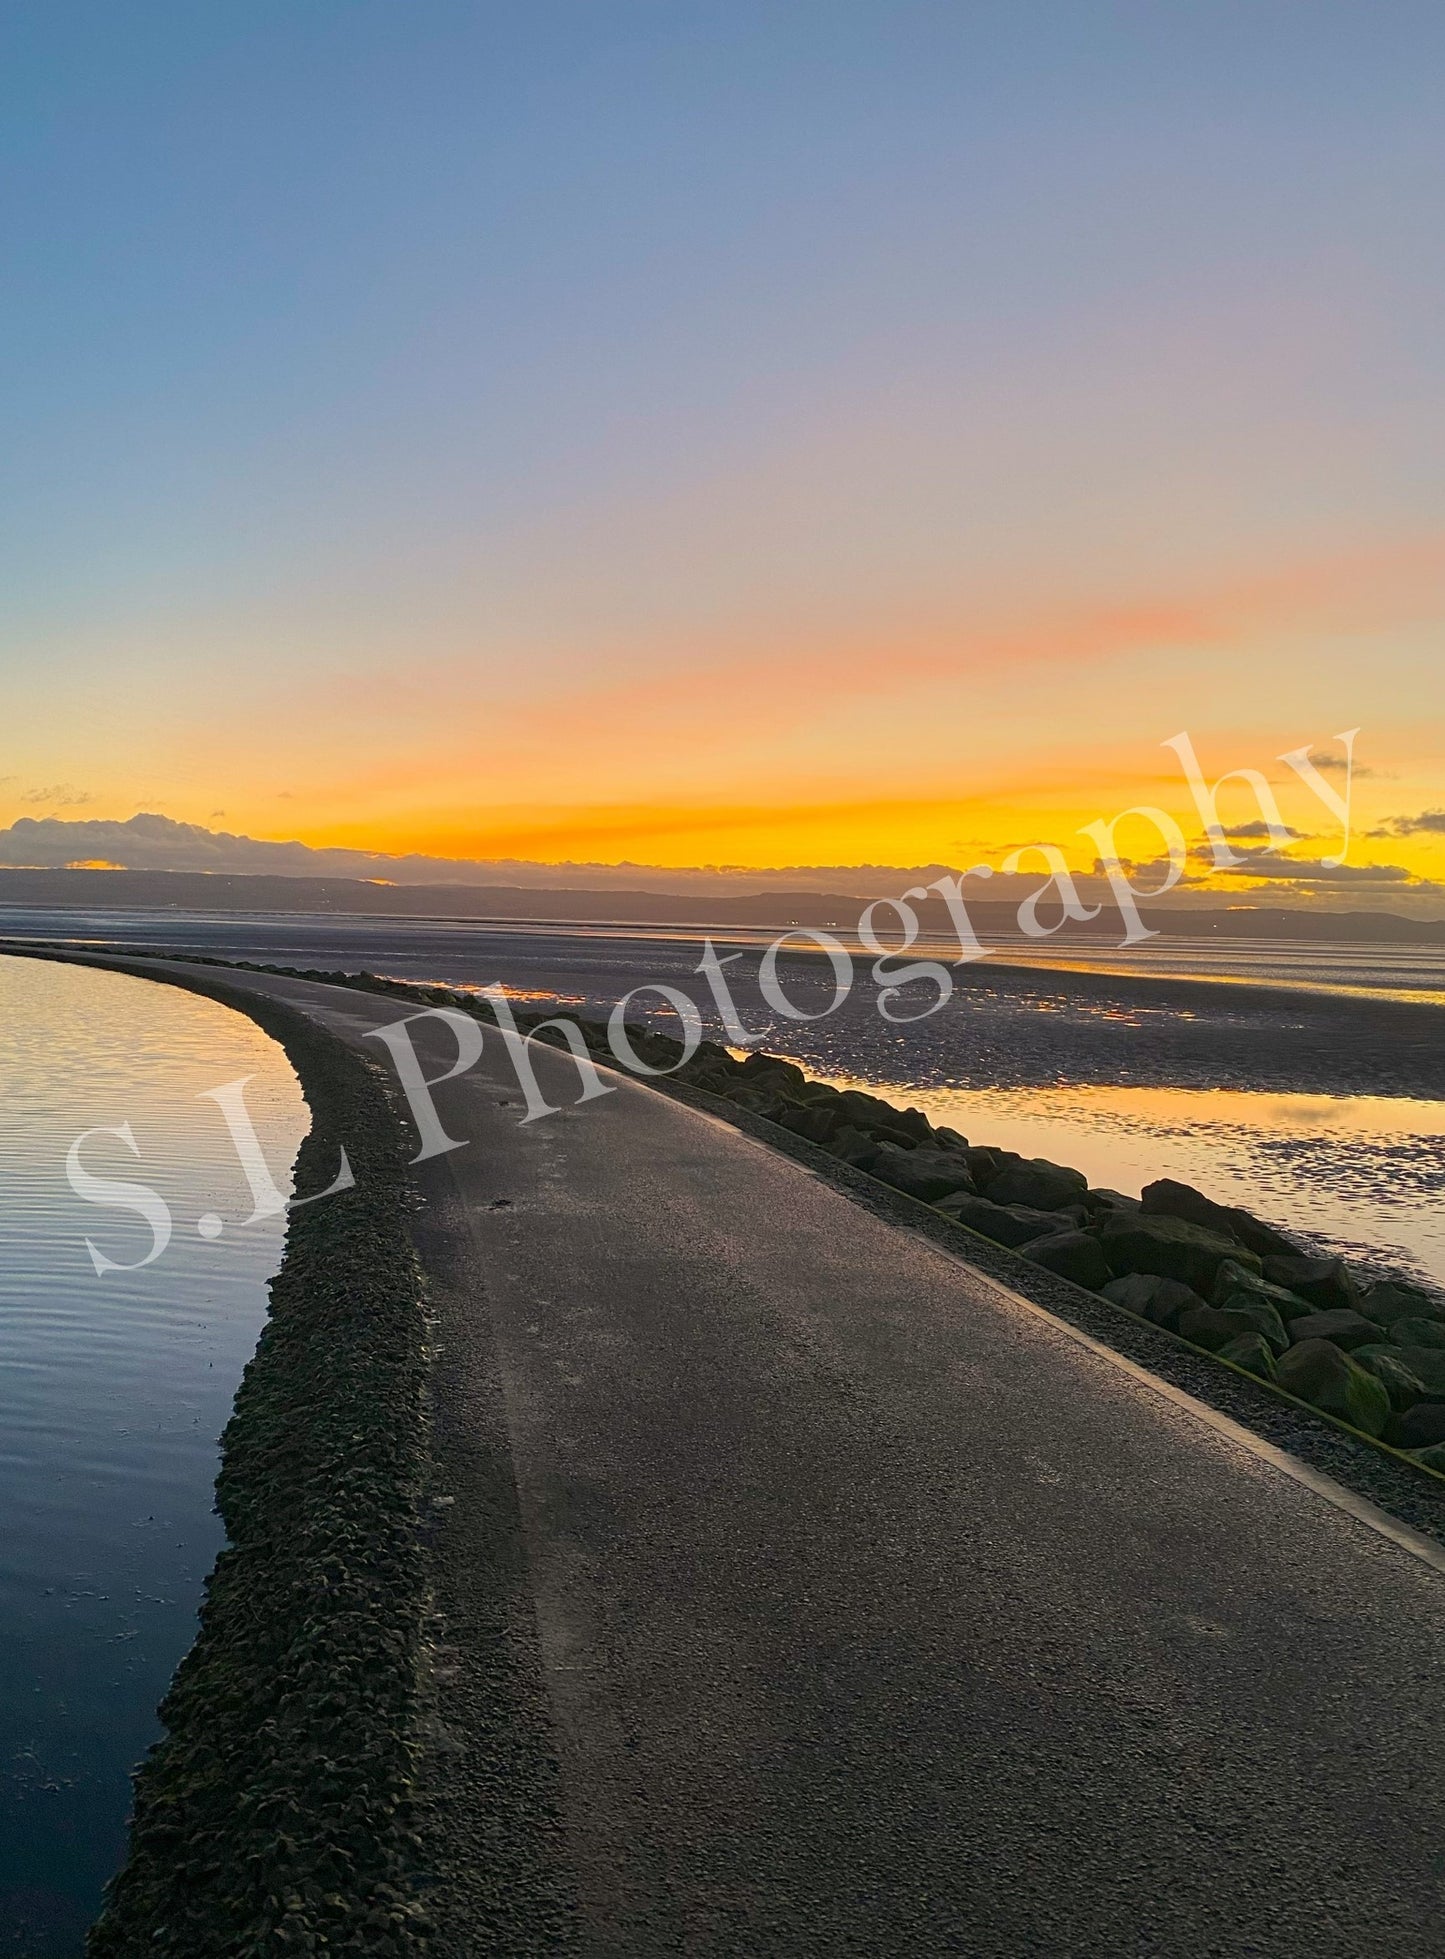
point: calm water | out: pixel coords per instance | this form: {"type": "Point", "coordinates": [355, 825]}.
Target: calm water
{"type": "Point", "coordinates": [1307, 1081]}
{"type": "Point", "coordinates": [113, 1392]}
{"type": "Point", "coordinates": [460, 948]}
{"type": "Point", "coordinates": [1362, 1175]}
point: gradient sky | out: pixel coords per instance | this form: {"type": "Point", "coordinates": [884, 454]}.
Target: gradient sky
{"type": "Point", "coordinates": [761, 434]}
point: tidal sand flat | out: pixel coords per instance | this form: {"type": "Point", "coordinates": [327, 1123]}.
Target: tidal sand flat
{"type": "Point", "coordinates": [113, 1392]}
{"type": "Point", "coordinates": [1305, 1081]}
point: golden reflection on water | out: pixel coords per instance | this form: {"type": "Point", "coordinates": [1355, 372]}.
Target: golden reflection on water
{"type": "Point", "coordinates": [1362, 1173]}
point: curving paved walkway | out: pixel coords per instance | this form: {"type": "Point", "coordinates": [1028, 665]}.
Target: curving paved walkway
{"type": "Point", "coordinates": [871, 1610]}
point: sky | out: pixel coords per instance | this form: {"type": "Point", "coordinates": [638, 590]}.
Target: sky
{"type": "Point", "coordinates": [760, 435]}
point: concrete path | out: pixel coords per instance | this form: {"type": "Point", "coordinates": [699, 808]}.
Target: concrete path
{"type": "Point", "coordinates": [879, 1613]}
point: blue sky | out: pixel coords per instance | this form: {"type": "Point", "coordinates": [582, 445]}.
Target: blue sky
{"type": "Point", "coordinates": [373, 374]}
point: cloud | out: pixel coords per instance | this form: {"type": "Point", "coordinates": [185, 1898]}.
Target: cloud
{"type": "Point", "coordinates": [151, 842]}
{"type": "Point", "coordinates": [1329, 764]}
{"type": "Point", "coordinates": [1312, 870]}
{"type": "Point", "coordinates": [1429, 823]}
{"type": "Point", "coordinates": [64, 795]}
{"type": "Point", "coordinates": [1243, 832]}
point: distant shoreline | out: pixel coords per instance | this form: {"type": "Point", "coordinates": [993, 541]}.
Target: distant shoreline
{"type": "Point", "coordinates": [541, 904]}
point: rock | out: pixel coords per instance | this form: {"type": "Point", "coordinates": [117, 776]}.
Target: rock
{"type": "Point", "coordinates": [1427, 1364]}
{"type": "Point", "coordinates": [1403, 1387]}
{"type": "Point", "coordinates": [1213, 1326]}
{"type": "Point", "coordinates": [1169, 1199]}
{"type": "Point", "coordinates": [758, 1065]}
{"type": "Point", "coordinates": [1324, 1282]}
{"type": "Point", "coordinates": [1044, 1185]}
{"type": "Point", "coordinates": [1233, 1281]}
{"type": "Point", "coordinates": [950, 1138]}
{"type": "Point", "coordinates": [1006, 1225]}
{"type": "Point", "coordinates": [707, 1054]}
{"type": "Point", "coordinates": [1171, 1247]}
{"type": "Point", "coordinates": [815, 1122]}
{"type": "Point", "coordinates": [1432, 1458]}
{"type": "Point", "coordinates": [881, 1121]}
{"type": "Point", "coordinates": [1323, 1374]}
{"type": "Point", "coordinates": [1159, 1300]}
{"type": "Point", "coordinates": [1341, 1327]}
{"type": "Point", "coordinates": [1097, 1201]}
{"type": "Point", "coordinates": [871, 1112]}
{"type": "Point", "coordinates": [1389, 1300]}
{"type": "Point", "coordinates": [758, 1100]}
{"type": "Point", "coordinates": [1419, 1427]}
{"type": "Point", "coordinates": [1418, 1333]}
{"type": "Point", "coordinates": [1252, 1352]}
{"type": "Point", "coordinates": [987, 1164]}
{"type": "Point", "coordinates": [1073, 1255]}
{"type": "Point", "coordinates": [1133, 1292]}
{"type": "Point", "coordinates": [819, 1094]}
{"type": "Point", "coordinates": [923, 1173]}
{"type": "Point", "coordinates": [850, 1145]}
{"type": "Point", "coordinates": [715, 1080]}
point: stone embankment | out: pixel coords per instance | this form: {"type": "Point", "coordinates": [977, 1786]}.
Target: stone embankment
{"type": "Point", "coordinates": [1370, 1352]}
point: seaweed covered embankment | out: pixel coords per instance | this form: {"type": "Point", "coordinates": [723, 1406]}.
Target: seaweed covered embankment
{"type": "Point", "coordinates": [274, 1814]}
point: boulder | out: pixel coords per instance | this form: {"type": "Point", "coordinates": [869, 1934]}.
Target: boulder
{"type": "Point", "coordinates": [823, 1094]}
{"type": "Point", "coordinates": [1324, 1282]}
{"type": "Point", "coordinates": [1233, 1281]}
{"type": "Point", "coordinates": [1432, 1458]}
{"type": "Point", "coordinates": [1403, 1387]}
{"type": "Point", "coordinates": [923, 1173]}
{"type": "Point", "coordinates": [1073, 1255]}
{"type": "Point", "coordinates": [1133, 1292]}
{"type": "Point", "coordinates": [1214, 1326]}
{"type": "Point", "coordinates": [1418, 1333]}
{"type": "Point", "coordinates": [759, 1100]}
{"type": "Point", "coordinates": [850, 1145]}
{"type": "Point", "coordinates": [1252, 1352]}
{"type": "Point", "coordinates": [1420, 1427]}
{"type": "Point", "coordinates": [707, 1054]}
{"type": "Point", "coordinates": [815, 1122]}
{"type": "Point", "coordinates": [914, 1123]}
{"type": "Point", "coordinates": [1005, 1224]}
{"type": "Point", "coordinates": [950, 1139]}
{"type": "Point", "coordinates": [758, 1065]}
{"type": "Point", "coordinates": [1171, 1247]}
{"type": "Point", "coordinates": [1044, 1185]}
{"type": "Point", "coordinates": [1169, 1199]}
{"type": "Point", "coordinates": [1341, 1327]}
{"type": "Point", "coordinates": [881, 1121]}
{"type": "Point", "coordinates": [1323, 1374]}
{"type": "Point", "coordinates": [986, 1164]}
{"type": "Point", "coordinates": [718, 1081]}
{"type": "Point", "coordinates": [1389, 1300]}
{"type": "Point", "coordinates": [1104, 1200]}
{"type": "Point", "coordinates": [1159, 1300]}
{"type": "Point", "coordinates": [1427, 1364]}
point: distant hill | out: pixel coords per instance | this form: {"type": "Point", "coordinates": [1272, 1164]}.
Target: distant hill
{"type": "Point", "coordinates": [82, 890]}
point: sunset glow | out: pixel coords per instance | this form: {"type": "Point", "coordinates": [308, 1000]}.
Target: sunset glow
{"type": "Point", "coordinates": [767, 446]}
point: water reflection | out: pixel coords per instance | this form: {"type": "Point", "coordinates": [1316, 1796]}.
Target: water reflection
{"type": "Point", "coordinates": [112, 1394]}
{"type": "Point", "coordinates": [1363, 1174]}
